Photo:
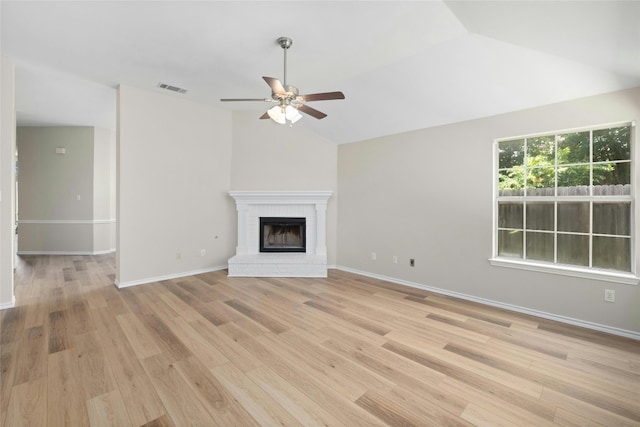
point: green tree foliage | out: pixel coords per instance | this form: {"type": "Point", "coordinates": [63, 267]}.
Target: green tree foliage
{"type": "Point", "coordinates": [573, 154]}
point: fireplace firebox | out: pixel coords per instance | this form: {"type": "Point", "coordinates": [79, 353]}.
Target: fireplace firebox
{"type": "Point", "coordinates": [280, 234]}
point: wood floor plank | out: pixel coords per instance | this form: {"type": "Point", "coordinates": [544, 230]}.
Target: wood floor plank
{"type": "Point", "coordinates": [302, 408]}
{"type": "Point", "coordinates": [187, 292]}
{"type": "Point", "coordinates": [8, 363]}
{"type": "Point", "coordinates": [202, 348]}
{"type": "Point", "coordinates": [257, 402]}
{"type": "Point", "coordinates": [58, 331]}
{"type": "Point", "coordinates": [257, 316]}
{"type": "Point", "coordinates": [237, 354]}
{"type": "Point", "coordinates": [108, 410]}
{"type": "Point", "coordinates": [344, 410]}
{"type": "Point", "coordinates": [137, 391]}
{"type": "Point", "coordinates": [66, 403]}
{"type": "Point", "coordinates": [364, 323]}
{"type": "Point", "coordinates": [568, 419]}
{"type": "Point", "coordinates": [79, 320]}
{"type": "Point", "coordinates": [185, 309]}
{"type": "Point", "coordinates": [218, 399]}
{"type": "Point", "coordinates": [13, 320]}
{"type": "Point", "coordinates": [487, 414]}
{"type": "Point", "coordinates": [475, 379]}
{"type": "Point", "coordinates": [141, 341]}
{"type": "Point", "coordinates": [163, 421]}
{"type": "Point", "coordinates": [182, 404]}
{"type": "Point", "coordinates": [200, 289]}
{"type": "Point", "coordinates": [90, 363]}
{"type": "Point", "coordinates": [488, 409]}
{"type": "Point", "coordinates": [403, 372]}
{"type": "Point", "coordinates": [28, 404]}
{"type": "Point", "coordinates": [345, 350]}
{"type": "Point", "coordinates": [169, 343]}
{"type": "Point", "coordinates": [32, 363]}
{"type": "Point", "coordinates": [386, 410]}
{"type": "Point", "coordinates": [591, 412]}
{"type": "Point", "coordinates": [275, 357]}
{"type": "Point", "coordinates": [350, 375]}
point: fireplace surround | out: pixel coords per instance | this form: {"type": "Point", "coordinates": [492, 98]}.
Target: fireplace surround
{"type": "Point", "coordinates": [288, 207]}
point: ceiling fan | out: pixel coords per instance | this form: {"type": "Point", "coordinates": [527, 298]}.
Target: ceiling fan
{"type": "Point", "coordinates": [290, 103]}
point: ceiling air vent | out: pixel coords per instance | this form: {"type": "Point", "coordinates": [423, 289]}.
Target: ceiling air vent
{"type": "Point", "coordinates": [171, 88]}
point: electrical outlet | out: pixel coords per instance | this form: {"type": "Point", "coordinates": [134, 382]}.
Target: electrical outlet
{"type": "Point", "coordinates": [412, 262]}
{"type": "Point", "coordinates": [395, 259]}
{"type": "Point", "coordinates": [178, 255]}
{"type": "Point", "coordinates": [373, 256]}
{"type": "Point", "coordinates": [610, 295]}
{"type": "Point", "coordinates": [203, 252]}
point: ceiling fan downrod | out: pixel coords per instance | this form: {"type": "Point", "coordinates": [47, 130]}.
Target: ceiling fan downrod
{"type": "Point", "coordinates": [285, 43]}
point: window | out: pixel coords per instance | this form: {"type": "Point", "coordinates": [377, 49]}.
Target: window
{"type": "Point", "coordinates": [566, 199]}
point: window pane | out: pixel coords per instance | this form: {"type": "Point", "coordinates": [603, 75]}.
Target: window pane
{"type": "Point", "coordinates": [612, 144]}
{"type": "Point", "coordinates": [540, 246]}
{"type": "Point", "coordinates": [573, 180]}
{"type": "Point", "coordinates": [540, 216]}
{"type": "Point", "coordinates": [511, 153]}
{"type": "Point", "coordinates": [555, 198]}
{"type": "Point", "coordinates": [612, 179]}
{"type": "Point", "coordinates": [612, 218]}
{"type": "Point", "coordinates": [573, 148]}
{"type": "Point", "coordinates": [540, 182]}
{"type": "Point", "coordinates": [510, 215]}
{"type": "Point", "coordinates": [612, 253]}
{"type": "Point", "coordinates": [573, 217]}
{"type": "Point", "coordinates": [541, 151]}
{"type": "Point", "coordinates": [510, 243]}
{"type": "Point", "coordinates": [511, 182]}
{"type": "Point", "coordinates": [573, 249]}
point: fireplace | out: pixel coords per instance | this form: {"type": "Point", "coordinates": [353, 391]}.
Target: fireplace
{"type": "Point", "coordinates": [282, 234]}
{"type": "Point", "coordinates": [296, 241]}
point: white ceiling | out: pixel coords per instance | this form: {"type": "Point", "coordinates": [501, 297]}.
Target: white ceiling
{"type": "Point", "coordinates": [403, 65]}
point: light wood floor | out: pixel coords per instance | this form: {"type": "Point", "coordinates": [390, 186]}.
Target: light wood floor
{"type": "Point", "coordinates": [344, 351]}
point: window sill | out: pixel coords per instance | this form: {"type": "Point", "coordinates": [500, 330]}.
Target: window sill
{"type": "Point", "coordinates": [608, 276]}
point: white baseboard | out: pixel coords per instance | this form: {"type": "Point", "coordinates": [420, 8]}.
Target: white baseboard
{"type": "Point", "coordinates": [103, 252]}
{"type": "Point", "coordinates": [127, 284]}
{"type": "Point", "coordinates": [563, 319]}
{"type": "Point", "coordinates": [6, 305]}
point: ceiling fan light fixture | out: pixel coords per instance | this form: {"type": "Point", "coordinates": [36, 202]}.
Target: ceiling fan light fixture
{"type": "Point", "coordinates": [281, 114]}
{"type": "Point", "coordinates": [277, 115]}
{"type": "Point", "coordinates": [292, 114]}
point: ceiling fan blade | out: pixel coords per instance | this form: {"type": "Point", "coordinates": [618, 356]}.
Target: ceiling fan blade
{"type": "Point", "coordinates": [246, 99]}
{"type": "Point", "coordinates": [312, 112]}
{"type": "Point", "coordinates": [321, 96]}
{"type": "Point", "coordinates": [264, 116]}
{"type": "Point", "coordinates": [276, 86]}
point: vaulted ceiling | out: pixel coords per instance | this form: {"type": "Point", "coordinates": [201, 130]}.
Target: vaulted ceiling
{"type": "Point", "coordinates": [403, 65]}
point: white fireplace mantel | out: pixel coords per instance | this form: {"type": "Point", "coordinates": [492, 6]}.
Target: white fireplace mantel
{"type": "Point", "coordinates": [251, 205]}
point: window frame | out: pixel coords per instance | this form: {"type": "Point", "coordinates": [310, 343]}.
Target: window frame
{"type": "Point", "coordinates": [588, 272]}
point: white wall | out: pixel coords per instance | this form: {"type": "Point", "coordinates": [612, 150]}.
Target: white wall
{"type": "Point", "coordinates": [174, 161]}
{"type": "Point", "coordinates": [428, 195]}
{"type": "Point", "coordinates": [269, 156]}
{"type": "Point", "coordinates": [104, 143]}
{"type": "Point", "coordinates": [64, 202]}
{"type": "Point", "coordinates": [7, 180]}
